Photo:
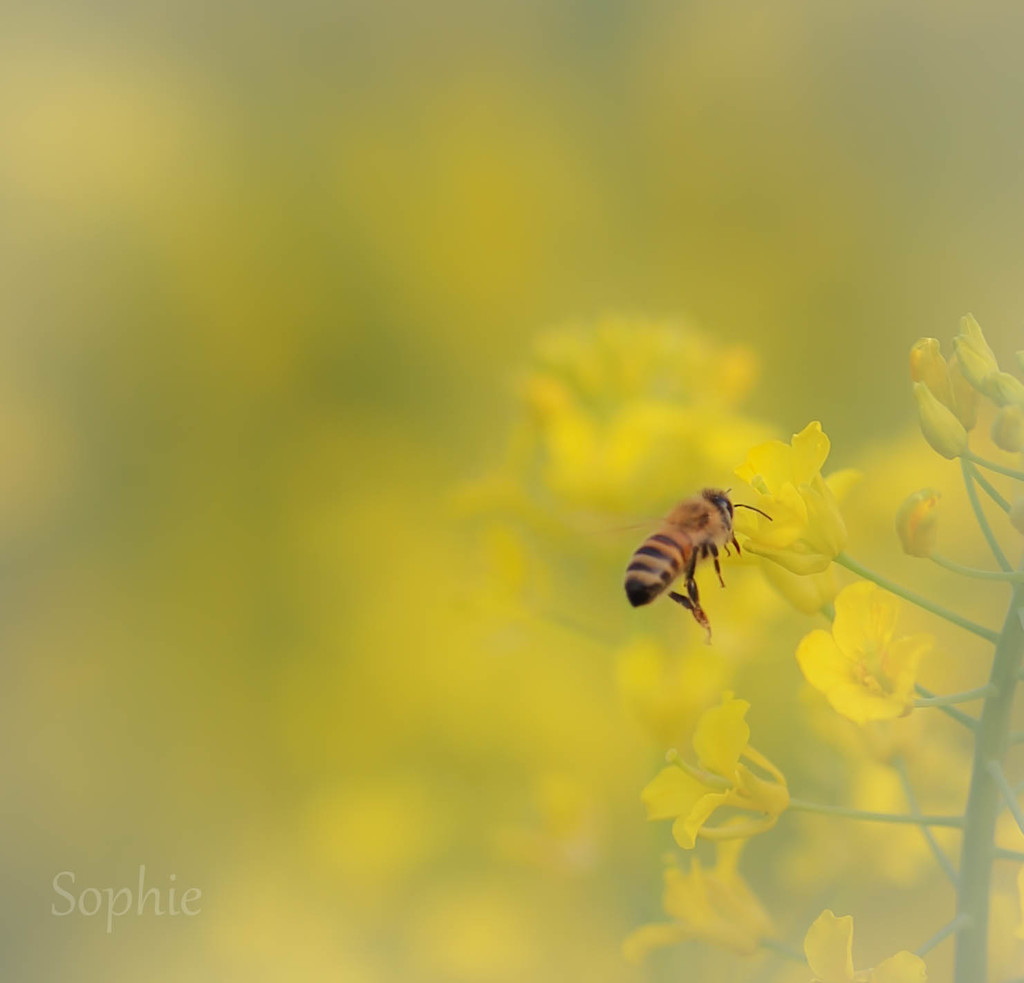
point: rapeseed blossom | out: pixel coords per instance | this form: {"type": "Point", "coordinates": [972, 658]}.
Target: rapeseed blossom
{"type": "Point", "coordinates": [863, 670]}
{"type": "Point", "coordinates": [714, 905]}
{"type": "Point", "coordinates": [945, 380]}
{"type": "Point", "coordinates": [690, 795]}
{"type": "Point", "coordinates": [917, 522]}
{"type": "Point", "coordinates": [806, 529]}
{"type": "Point", "coordinates": [828, 946]}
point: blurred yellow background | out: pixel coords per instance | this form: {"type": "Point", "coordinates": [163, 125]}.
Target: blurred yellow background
{"type": "Point", "coordinates": [273, 282]}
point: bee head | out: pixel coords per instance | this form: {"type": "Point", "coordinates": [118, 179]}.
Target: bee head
{"type": "Point", "coordinates": [720, 499]}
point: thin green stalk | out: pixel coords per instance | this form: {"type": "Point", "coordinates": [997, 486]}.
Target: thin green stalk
{"type": "Point", "coordinates": [940, 855]}
{"type": "Point", "coordinates": [942, 934]}
{"type": "Point", "coordinates": [988, 488]}
{"type": "Point", "coordinates": [1007, 577]}
{"type": "Point", "coordinates": [995, 769]}
{"type": "Point", "coordinates": [992, 466]}
{"type": "Point", "coordinates": [979, 512]}
{"type": "Point", "coordinates": [983, 799]}
{"type": "Point", "coordinates": [958, 715]}
{"type": "Point", "coordinates": [799, 805]}
{"type": "Point", "coordinates": [922, 602]}
{"type": "Point", "coordinates": [966, 697]}
{"type": "Point", "coordinates": [1013, 855]}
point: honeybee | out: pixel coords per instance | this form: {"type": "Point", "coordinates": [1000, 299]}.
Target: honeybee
{"type": "Point", "coordinates": [695, 529]}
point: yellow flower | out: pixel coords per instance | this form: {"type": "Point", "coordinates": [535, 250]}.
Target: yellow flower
{"type": "Point", "coordinates": [981, 368]}
{"type": "Point", "coordinates": [714, 905]}
{"type": "Point", "coordinates": [864, 672]}
{"type": "Point", "coordinates": [945, 380]}
{"type": "Point", "coordinates": [806, 531]}
{"type": "Point", "coordinates": [828, 946]}
{"type": "Point", "coordinates": [917, 522]}
{"type": "Point", "coordinates": [939, 424]}
{"type": "Point", "coordinates": [690, 795]}
{"type": "Point", "coordinates": [976, 358]}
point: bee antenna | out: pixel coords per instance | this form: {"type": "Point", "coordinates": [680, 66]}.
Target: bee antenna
{"type": "Point", "coordinates": [753, 508]}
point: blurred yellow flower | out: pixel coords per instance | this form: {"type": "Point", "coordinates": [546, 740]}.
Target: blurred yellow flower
{"type": "Point", "coordinates": [806, 530]}
{"type": "Point", "coordinates": [864, 672]}
{"type": "Point", "coordinates": [917, 522]}
{"type": "Point", "coordinates": [1008, 429]}
{"type": "Point", "coordinates": [665, 691]}
{"type": "Point", "coordinates": [808, 593]}
{"type": "Point", "coordinates": [627, 414]}
{"type": "Point", "coordinates": [1020, 891]}
{"type": "Point", "coordinates": [690, 795]}
{"type": "Point", "coordinates": [828, 946]}
{"type": "Point", "coordinates": [715, 905]}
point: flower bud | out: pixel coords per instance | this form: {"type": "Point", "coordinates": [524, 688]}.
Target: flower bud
{"type": "Point", "coordinates": [940, 427]}
{"type": "Point", "coordinates": [965, 396]}
{"type": "Point", "coordinates": [917, 522]}
{"type": "Point", "coordinates": [1017, 514]}
{"type": "Point", "coordinates": [1008, 429]}
{"type": "Point", "coordinates": [928, 366]}
{"type": "Point", "coordinates": [1004, 389]}
{"type": "Point", "coordinates": [976, 358]}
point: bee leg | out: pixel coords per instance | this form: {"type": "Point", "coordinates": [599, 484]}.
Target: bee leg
{"type": "Point", "coordinates": [718, 569]}
{"type": "Point", "coordinates": [737, 545]}
{"type": "Point", "coordinates": [682, 599]}
{"type": "Point", "coordinates": [695, 609]}
{"type": "Point", "coordinates": [725, 546]}
{"type": "Point", "coordinates": [694, 595]}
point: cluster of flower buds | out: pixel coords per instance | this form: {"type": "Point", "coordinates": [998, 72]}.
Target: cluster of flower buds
{"type": "Point", "coordinates": [947, 392]}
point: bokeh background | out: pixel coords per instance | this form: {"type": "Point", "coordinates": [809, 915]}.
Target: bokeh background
{"type": "Point", "coordinates": [296, 605]}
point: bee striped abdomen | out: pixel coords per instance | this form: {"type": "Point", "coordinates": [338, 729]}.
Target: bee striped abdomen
{"type": "Point", "coordinates": [654, 566]}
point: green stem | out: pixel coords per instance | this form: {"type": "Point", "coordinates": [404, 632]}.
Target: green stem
{"type": "Point", "coordinates": [988, 488]}
{"type": "Point", "coordinates": [799, 805]}
{"type": "Point", "coordinates": [983, 800]}
{"type": "Point", "coordinates": [966, 697]}
{"type": "Point", "coordinates": [1007, 577]}
{"type": "Point", "coordinates": [908, 790]}
{"type": "Point", "coordinates": [992, 466]}
{"type": "Point", "coordinates": [922, 602]}
{"type": "Point", "coordinates": [972, 494]}
{"type": "Point", "coordinates": [995, 769]}
{"type": "Point", "coordinates": [942, 934]}
{"type": "Point", "coordinates": [958, 715]}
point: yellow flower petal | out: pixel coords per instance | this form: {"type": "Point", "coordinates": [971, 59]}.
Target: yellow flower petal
{"type": "Point", "coordinates": [865, 618]}
{"type": "Point", "coordinates": [672, 792]}
{"type": "Point", "coordinates": [688, 824]}
{"type": "Point", "coordinates": [828, 946]}
{"type": "Point", "coordinates": [648, 937]}
{"type": "Point", "coordinates": [721, 735]}
{"type": "Point", "coordinates": [904, 967]}
{"type": "Point", "coordinates": [810, 449]}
